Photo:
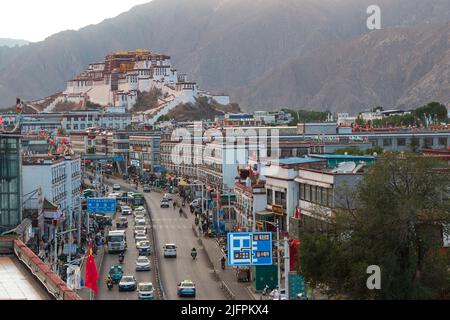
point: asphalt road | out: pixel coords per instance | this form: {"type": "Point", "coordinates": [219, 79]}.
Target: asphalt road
{"type": "Point", "coordinates": [169, 227]}
{"type": "Point", "coordinates": [129, 267]}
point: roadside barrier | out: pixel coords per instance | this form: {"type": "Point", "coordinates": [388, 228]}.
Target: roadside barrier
{"type": "Point", "coordinates": [51, 281]}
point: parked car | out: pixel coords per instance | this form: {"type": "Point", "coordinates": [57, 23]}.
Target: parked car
{"type": "Point", "coordinates": [186, 288]}
{"type": "Point", "coordinates": [170, 250]}
{"type": "Point", "coordinates": [122, 222]}
{"type": "Point", "coordinates": [165, 204]}
{"type": "Point", "coordinates": [146, 291]}
{"type": "Point", "coordinates": [116, 187]}
{"type": "Point", "coordinates": [128, 283]}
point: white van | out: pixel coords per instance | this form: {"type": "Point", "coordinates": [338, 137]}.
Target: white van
{"type": "Point", "coordinates": [117, 241]}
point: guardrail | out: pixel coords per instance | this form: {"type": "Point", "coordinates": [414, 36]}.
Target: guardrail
{"type": "Point", "coordinates": [51, 281]}
{"type": "Point", "coordinates": [227, 290]}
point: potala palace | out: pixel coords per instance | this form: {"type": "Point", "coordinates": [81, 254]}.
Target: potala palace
{"type": "Point", "coordinates": [115, 83]}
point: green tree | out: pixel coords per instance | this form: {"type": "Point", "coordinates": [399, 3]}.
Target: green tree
{"type": "Point", "coordinates": [163, 118]}
{"type": "Point", "coordinates": [436, 110]}
{"type": "Point", "coordinates": [397, 226]}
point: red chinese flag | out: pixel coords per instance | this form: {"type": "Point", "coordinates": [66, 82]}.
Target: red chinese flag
{"type": "Point", "coordinates": [91, 274]}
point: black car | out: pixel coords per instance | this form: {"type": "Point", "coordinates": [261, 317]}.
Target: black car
{"type": "Point", "coordinates": [165, 204]}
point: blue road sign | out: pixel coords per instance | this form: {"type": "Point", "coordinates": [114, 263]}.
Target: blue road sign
{"type": "Point", "coordinates": [101, 205]}
{"type": "Point", "coordinates": [250, 249]}
{"type": "Point", "coordinates": [118, 159]}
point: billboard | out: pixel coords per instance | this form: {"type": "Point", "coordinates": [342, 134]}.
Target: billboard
{"type": "Point", "coordinates": [101, 205]}
{"type": "Point", "coordinates": [249, 249]}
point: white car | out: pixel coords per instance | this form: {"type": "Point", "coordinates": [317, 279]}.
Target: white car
{"type": "Point", "coordinates": [139, 210]}
{"type": "Point", "coordinates": [144, 248]}
{"type": "Point", "coordinates": [168, 197]}
{"type": "Point", "coordinates": [116, 187]}
{"type": "Point", "coordinates": [143, 228]}
{"type": "Point", "coordinates": [170, 250]}
{"type": "Point", "coordinates": [278, 295]}
{"type": "Point", "coordinates": [146, 291]}
{"type": "Point", "coordinates": [138, 233]}
{"type": "Point", "coordinates": [139, 216]}
{"type": "Point", "coordinates": [140, 238]}
{"type": "Point", "coordinates": [126, 210]}
{"type": "Point", "coordinates": [143, 264]}
{"type": "Point", "coordinates": [196, 203]}
{"type": "Point", "coordinates": [140, 222]}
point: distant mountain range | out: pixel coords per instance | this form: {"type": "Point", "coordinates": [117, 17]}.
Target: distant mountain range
{"type": "Point", "coordinates": [306, 54]}
{"type": "Point", "coordinates": [12, 42]}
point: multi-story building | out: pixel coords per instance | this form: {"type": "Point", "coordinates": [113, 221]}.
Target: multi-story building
{"type": "Point", "coordinates": [58, 177]}
{"type": "Point", "coordinates": [145, 151]}
{"type": "Point", "coordinates": [10, 182]}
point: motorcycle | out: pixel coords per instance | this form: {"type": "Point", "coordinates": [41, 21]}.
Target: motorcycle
{"type": "Point", "coordinates": [197, 221]}
{"type": "Point", "coordinates": [194, 255]}
{"type": "Point", "coordinates": [110, 285]}
{"type": "Point", "coordinates": [121, 258]}
{"type": "Point", "coordinates": [266, 290]}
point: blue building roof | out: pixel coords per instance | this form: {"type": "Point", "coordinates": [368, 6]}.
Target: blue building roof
{"type": "Point", "coordinates": [295, 160]}
{"type": "Point", "coordinates": [342, 156]}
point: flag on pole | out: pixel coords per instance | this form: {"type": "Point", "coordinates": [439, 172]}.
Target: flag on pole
{"type": "Point", "coordinates": [91, 274]}
{"type": "Point", "coordinates": [218, 199]}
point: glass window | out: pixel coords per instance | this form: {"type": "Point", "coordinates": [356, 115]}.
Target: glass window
{"type": "Point", "coordinates": [307, 192]}
{"type": "Point", "coordinates": [313, 194]}
{"type": "Point", "coordinates": [401, 142]}
{"type": "Point", "coordinates": [319, 195]}
{"type": "Point", "coordinates": [269, 196]}
{"type": "Point", "coordinates": [428, 142]}
{"type": "Point", "coordinates": [325, 196]}
{"type": "Point", "coordinates": [443, 141]}
{"type": "Point", "coordinates": [387, 142]}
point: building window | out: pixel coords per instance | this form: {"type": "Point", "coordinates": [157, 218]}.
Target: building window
{"type": "Point", "coordinates": [401, 142]}
{"type": "Point", "coordinates": [325, 196]}
{"type": "Point", "coordinates": [443, 141]}
{"type": "Point", "coordinates": [307, 192]}
{"type": "Point", "coordinates": [428, 142]}
{"type": "Point", "coordinates": [269, 196]}
{"type": "Point", "coordinates": [387, 142]}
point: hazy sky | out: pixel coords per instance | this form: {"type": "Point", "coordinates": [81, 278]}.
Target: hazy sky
{"type": "Point", "coordinates": [34, 20]}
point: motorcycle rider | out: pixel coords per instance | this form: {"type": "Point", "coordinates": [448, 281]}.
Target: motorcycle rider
{"type": "Point", "coordinates": [222, 262]}
{"type": "Point", "coordinates": [194, 253]}
{"type": "Point", "coordinates": [121, 256]}
{"type": "Point", "coordinates": [109, 281]}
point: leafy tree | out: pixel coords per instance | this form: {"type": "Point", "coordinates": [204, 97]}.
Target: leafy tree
{"type": "Point", "coordinates": [163, 118]}
{"type": "Point", "coordinates": [397, 226]}
{"type": "Point", "coordinates": [301, 116]}
{"type": "Point", "coordinates": [436, 110]}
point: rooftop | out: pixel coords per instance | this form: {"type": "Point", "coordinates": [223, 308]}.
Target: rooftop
{"type": "Point", "coordinates": [341, 156]}
{"type": "Point", "coordinates": [295, 160]}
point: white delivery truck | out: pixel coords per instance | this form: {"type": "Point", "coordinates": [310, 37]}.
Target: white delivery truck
{"type": "Point", "coordinates": [117, 241]}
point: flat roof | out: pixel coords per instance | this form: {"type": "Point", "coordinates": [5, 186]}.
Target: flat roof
{"type": "Point", "coordinates": [17, 283]}
{"type": "Point", "coordinates": [341, 156]}
{"type": "Point", "coordinates": [296, 160]}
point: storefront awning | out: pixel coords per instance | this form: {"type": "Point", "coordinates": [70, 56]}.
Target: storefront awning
{"type": "Point", "coordinates": [264, 213]}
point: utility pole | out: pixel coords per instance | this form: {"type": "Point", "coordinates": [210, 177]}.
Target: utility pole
{"type": "Point", "coordinates": [286, 266]}
{"type": "Point", "coordinates": [278, 256]}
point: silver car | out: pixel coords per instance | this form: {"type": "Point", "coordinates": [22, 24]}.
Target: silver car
{"type": "Point", "coordinates": [143, 264]}
{"type": "Point", "coordinates": [141, 238]}
{"type": "Point", "coordinates": [146, 291]}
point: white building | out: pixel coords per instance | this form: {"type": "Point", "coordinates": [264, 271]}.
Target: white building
{"type": "Point", "coordinates": [59, 179]}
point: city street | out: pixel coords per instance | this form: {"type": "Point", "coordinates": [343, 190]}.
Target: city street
{"type": "Point", "coordinates": [169, 227]}
{"type": "Point", "coordinates": [129, 267]}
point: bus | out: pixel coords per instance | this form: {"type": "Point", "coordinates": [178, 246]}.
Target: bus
{"type": "Point", "coordinates": [116, 241]}
{"type": "Point", "coordinates": [136, 200]}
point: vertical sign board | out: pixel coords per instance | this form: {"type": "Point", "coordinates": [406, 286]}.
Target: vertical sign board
{"type": "Point", "coordinates": [249, 249]}
{"type": "Point", "coordinates": [101, 205]}
{"type": "Point", "coordinates": [296, 285]}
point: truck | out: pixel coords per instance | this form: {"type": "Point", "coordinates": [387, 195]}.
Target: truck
{"type": "Point", "coordinates": [116, 241]}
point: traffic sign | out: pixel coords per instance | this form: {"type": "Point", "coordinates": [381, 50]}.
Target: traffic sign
{"type": "Point", "coordinates": [296, 285]}
{"type": "Point", "coordinates": [250, 249]}
{"type": "Point", "coordinates": [101, 205]}
{"type": "Point", "coordinates": [118, 159]}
